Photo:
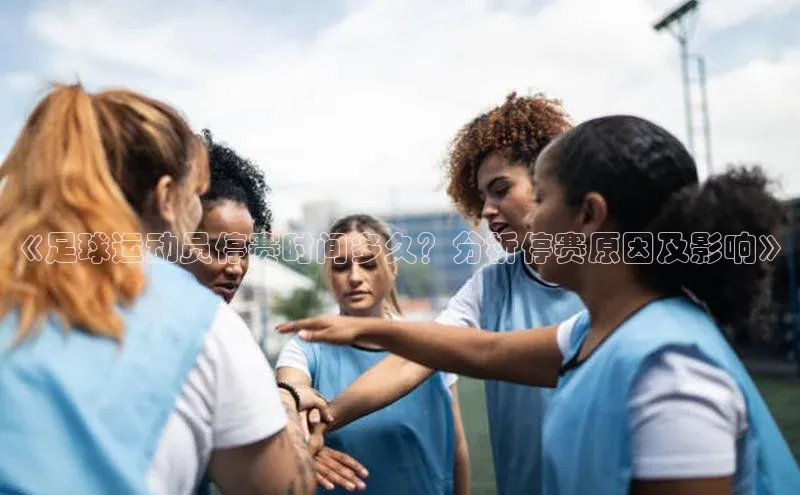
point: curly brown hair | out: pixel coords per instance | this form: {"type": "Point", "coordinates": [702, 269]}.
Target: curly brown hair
{"type": "Point", "coordinates": [518, 129]}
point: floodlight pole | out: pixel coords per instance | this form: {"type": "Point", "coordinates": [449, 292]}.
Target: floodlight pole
{"type": "Point", "coordinates": [677, 19]}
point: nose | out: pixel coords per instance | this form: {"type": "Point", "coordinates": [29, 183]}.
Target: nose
{"type": "Point", "coordinates": [233, 268]}
{"type": "Point", "coordinates": [355, 276]}
{"type": "Point", "coordinates": [489, 211]}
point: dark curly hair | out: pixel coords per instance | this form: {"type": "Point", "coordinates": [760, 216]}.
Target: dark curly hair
{"type": "Point", "coordinates": [649, 182]}
{"type": "Point", "coordinates": [237, 179]}
{"type": "Point", "coordinates": [519, 129]}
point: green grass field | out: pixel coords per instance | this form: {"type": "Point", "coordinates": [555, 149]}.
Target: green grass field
{"type": "Point", "coordinates": [782, 395]}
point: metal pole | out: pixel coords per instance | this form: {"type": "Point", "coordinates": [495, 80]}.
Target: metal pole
{"type": "Point", "coordinates": [687, 96]}
{"type": "Point", "coordinates": [701, 68]}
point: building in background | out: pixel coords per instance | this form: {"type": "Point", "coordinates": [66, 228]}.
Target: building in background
{"type": "Point", "coordinates": [437, 252]}
{"type": "Point", "coordinates": [266, 279]}
{"type": "Point", "coordinates": [306, 234]}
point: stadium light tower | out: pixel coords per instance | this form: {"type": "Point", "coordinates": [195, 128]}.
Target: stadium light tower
{"type": "Point", "coordinates": [677, 22]}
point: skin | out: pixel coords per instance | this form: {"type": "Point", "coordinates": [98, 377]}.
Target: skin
{"type": "Point", "coordinates": [508, 207]}
{"type": "Point", "coordinates": [360, 288]}
{"type": "Point", "coordinates": [611, 292]}
{"type": "Point", "coordinates": [507, 193]}
{"type": "Point", "coordinates": [224, 261]}
{"type": "Point", "coordinates": [280, 464]}
{"type": "Point", "coordinates": [357, 282]}
{"type": "Point", "coordinates": [225, 257]}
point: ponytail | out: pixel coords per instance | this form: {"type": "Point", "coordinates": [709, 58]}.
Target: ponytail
{"type": "Point", "coordinates": [649, 182]}
{"type": "Point", "coordinates": [729, 204]}
{"type": "Point", "coordinates": [62, 179]}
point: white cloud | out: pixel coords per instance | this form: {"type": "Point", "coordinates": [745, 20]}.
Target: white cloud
{"type": "Point", "coordinates": [20, 81]}
{"type": "Point", "coordinates": [378, 95]}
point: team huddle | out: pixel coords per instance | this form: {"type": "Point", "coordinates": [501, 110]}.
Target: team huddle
{"type": "Point", "coordinates": [601, 378]}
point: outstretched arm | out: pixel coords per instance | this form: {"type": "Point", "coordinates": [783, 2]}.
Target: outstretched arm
{"type": "Point", "coordinates": [331, 467]}
{"type": "Point", "coordinates": [384, 383]}
{"type": "Point", "coordinates": [527, 357]}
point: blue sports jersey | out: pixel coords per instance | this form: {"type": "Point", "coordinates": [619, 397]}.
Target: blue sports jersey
{"type": "Point", "coordinates": [587, 440]}
{"type": "Point", "coordinates": [514, 298]}
{"type": "Point", "coordinates": [84, 414]}
{"type": "Point", "coordinates": [408, 446]}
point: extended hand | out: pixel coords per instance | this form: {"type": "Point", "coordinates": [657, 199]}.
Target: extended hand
{"type": "Point", "coordinates": [311, 399]}
{"type": "Point", "coordinates": [334, 468]}
{"type": "Point", "coordinates": [340, 330]}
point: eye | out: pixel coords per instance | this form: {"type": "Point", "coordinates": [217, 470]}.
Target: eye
{"type": "Point", "coordinates": [369, 265]}
{"type": "Point", "coordinates": [340, 265]}
{"type": "Point", "coordinates": [500, 189]}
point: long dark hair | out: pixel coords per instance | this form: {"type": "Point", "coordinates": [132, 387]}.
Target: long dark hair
{"type": "Point", "coordinates": [649, 181]}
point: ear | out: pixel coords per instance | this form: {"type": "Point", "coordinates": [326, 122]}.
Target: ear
{"type": "Point", "coordinates": [593, 212]}
{"type": "Point", "coordinates": [392, 267]}
{"type": "Point", "coordinates": [165, 200]}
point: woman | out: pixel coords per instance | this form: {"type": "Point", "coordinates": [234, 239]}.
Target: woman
{"type": "Point", "coordinates": [416, 445]}
{"type": "Point", "coordinates": [120, 373]}
{"type": "Point", "coordinates": [235, 211]}
{"type": "Point", "coordinates": [489, 167]}
{"type": "Point", "coordinates": [650, 398]}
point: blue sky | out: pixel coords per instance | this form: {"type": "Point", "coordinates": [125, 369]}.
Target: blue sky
{"type": "Point", "coordinates": [357, 99]}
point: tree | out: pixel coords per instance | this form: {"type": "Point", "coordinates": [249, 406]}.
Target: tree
{"type": "Point", "coordinates": [414, 279]}
{"type": "Point", "coordinates": [302, 303]}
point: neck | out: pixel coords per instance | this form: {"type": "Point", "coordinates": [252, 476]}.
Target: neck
{"type": "Point", "coordinates": [374, 313]}
{"type": "Point", "coordinates": [168, 246]}
{"type": "Point", "coordinates": [611, 294]}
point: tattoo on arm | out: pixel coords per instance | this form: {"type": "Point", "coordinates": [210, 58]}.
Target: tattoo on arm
{"type": "Point", "coordinates": [305, 476]}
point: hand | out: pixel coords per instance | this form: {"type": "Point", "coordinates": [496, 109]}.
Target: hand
{"type": "Point", "coordinates": [334, 468]}
{"type": "Point", "coordinates": [316, 433]}
{"type": "Point", "coordinates": [310, 399]}
{"type": "Point", "coordinates": [340, 330]}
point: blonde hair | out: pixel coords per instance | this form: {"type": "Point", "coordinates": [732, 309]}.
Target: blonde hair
{"type": "Point", "coordinates": [85, 164]}
{"type": "Point", "coordinates": [363, 224]}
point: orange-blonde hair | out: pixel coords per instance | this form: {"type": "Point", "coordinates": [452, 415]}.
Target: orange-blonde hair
{"type": "Point", "coordinates": [85, 163]}
{"type": "Point", "coordinates": [366, 224]}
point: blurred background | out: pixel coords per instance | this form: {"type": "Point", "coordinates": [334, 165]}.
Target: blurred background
{"type": "Point", "coordinates": [349, 106]}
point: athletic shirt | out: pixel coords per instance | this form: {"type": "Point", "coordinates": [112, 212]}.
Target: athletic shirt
{"type": "Point", "coordinates": [408, 446]}
{"type": "Point", "coordinates": [140, 417]}
{"type": "Point", "coordinates": [659, 396]}
{"type": "Point", "coordinates": [590, 431]}
{"type": "Point", "coordinates": [502, 297]}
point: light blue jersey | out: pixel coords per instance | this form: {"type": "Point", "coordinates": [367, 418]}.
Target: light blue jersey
{"type": "Point", "coordinates": [84, 414]}
{"type": "Point", "coordinates": [514, 298]}
{"type": "Point", "coordinates": [587, 438]}
{"type": "Point", "coordinates": [408, 446]}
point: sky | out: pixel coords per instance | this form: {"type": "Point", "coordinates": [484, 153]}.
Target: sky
{"type": "Point", "coordinates": [357, 100]}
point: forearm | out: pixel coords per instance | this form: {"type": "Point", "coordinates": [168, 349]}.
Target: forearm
{"type": "Point", "coordinates": [303, 459]}
{"type": "Point", "coordinates": [384, 383]}
{"type": "Point", "coordinates": [528, 357]}
{"type": "Point", "coordinates": [461, 470]}
{"type": "Point", "coordinates": [461, 448]}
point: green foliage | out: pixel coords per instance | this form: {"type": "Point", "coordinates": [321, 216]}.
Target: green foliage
{"type": "Point", "coordinates": [302, 303]}
{"type": "Point", "coordinates": [414, 279]}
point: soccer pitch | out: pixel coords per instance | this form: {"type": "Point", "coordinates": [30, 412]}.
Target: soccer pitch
{"type": "Point", "coordinates": [782, 395]}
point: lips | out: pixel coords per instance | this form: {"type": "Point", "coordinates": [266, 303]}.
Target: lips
{"type": "Point", "coordinates": [498, 227]}
{"type": "Point", "coordinates": [226, 289]}
{"type": "Point", "coordinates": [357, 293]}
